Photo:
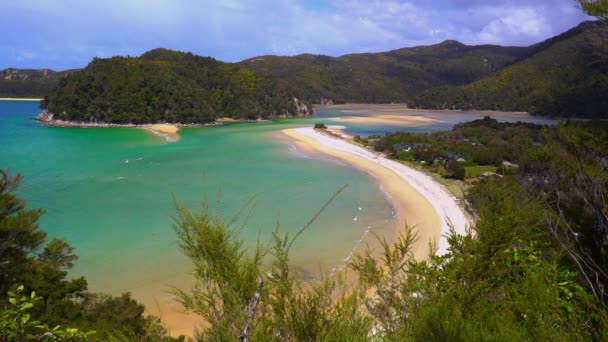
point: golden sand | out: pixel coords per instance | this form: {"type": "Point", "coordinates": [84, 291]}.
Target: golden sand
{"type": "Point", "coordinates": [412, 208]}
{"type": "Point", "coordinates": [403, 109]}
{"type": "Point", "coordinates": [167, 131]}
{"type": "Point", "coordinates": [387, 119]}
{"type": "Point", "coordinates": [18, 99]}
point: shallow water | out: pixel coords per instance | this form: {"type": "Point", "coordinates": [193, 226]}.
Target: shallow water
{"type": "Point", "coordinates": [108, 192]}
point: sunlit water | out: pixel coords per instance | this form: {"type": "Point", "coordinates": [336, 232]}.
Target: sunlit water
{"type": "Point", "coordinates": [109, 193]}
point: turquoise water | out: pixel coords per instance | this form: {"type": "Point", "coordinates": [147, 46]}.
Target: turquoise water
{"type": "Point", "coordinates": [108, 192]}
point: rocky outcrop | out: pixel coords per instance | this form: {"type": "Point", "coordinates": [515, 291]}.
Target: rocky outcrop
{"type": "Point", "coordinates": [301, 108]}
{"type": "Point", "coordinates": [45, 116]}
{"type": "Point", "coordinates": [326, 101]}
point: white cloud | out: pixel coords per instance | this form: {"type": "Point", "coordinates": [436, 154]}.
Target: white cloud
{"type": "Point", "coordinates": [520, 25]}
{"type": "Point", "coordinates": [68, 33]}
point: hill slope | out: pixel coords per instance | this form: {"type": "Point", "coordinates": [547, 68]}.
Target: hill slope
{"type": "Point", "coordinates": [168, 86]}
{"type": "Point", "coordinates": [565, 76]}
{"type": "Point", "coordinates": [394, 76]}
{"type": "Point", "coordinates": [29, 82]}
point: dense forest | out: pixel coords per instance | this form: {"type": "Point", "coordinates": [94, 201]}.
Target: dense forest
{"type": "Point", "coordinates": [168, 86]}
{"type": "Point", "coordinates": [567, 76]}
{"type": "Point", "coordinates": [394, 76]}
{"type": "Point", "coordinates": [563, 76]}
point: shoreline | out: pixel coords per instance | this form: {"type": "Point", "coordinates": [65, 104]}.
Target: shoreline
{"type": "Point", "coordinates": [402, 108]}
{"type": "Point", "coordinates": [29, 99]}
{"type": "Point", "coordinates": [419, 200]}
{"type": "Point", "coordinates": [167, 131]}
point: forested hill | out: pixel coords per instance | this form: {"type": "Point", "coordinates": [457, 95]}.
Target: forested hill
{"type": "Point", "coordinates": [168, 86]}
{"type": "Point", "coordinates": [29, 82]}
{"type": "Point", "coordinates": [565, 76]}
{"type": "Point", "coordinates": [394, 76]}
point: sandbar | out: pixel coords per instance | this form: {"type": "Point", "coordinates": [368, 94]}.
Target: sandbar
{"type": "Point", "coordinates": [388, 119]}
{"type": "Point", "coordinates": [167, 131]}
{"type": "Point", "coordinates": [19, 99]}
{"type": "Point", "coordinates": [403, 109]}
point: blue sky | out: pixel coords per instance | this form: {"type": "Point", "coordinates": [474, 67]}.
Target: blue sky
{"type": "Point", "coordinates": [62, 34]}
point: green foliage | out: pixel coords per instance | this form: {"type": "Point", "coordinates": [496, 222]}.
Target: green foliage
{"type": "Point", "coordinates": [393, 76]}
{"type": "Point", "coordinates": [320, 126]}
{"type": "Point", "coordinates": [486, 142]}
{"type": "Point", "coordinates": [19, 235]}
{"type": "Point", "coordinates": [475, 171]}
{"type": "Point", "coordinates": [455, 169]}
{"type": "Point", "coordinates": [596, 8]}
{"type": "Point", "coordinates": [167, 86]}
{"type": "Point", "coordinates": [26, 260]}
{"type": "Point", "coordinates": [532, 267]}
{"type": "Point", "coordinates": [564, 76]}
{"type": "Point", "coordinates": [16, 323]}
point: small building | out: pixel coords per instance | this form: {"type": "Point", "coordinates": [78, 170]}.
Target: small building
{"type": "Point", "coordinates": [460, 160]}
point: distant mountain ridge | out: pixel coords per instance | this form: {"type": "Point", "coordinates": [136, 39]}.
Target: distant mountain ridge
{"type": "Point", "coordinates": [564, 76]}
{"type": "Point", "coordinates": [393, 76]}
{"type": "Point", "coordinates": [29, 82]}
{"type": "Point", "coordinates": [554, 77]}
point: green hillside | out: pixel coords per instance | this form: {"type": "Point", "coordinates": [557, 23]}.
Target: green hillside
{"type": "Point", "coordinates": [29, 82]}
{"type": "Point", "coordinates": [168, 86]}
{"type": "Point", "coordinates": [394, 76]}
{"type": "Point", "coordinates": [566, 76]}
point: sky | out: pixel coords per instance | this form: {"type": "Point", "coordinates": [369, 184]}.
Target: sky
{"type": "Point", "coordinates": [64, 34]}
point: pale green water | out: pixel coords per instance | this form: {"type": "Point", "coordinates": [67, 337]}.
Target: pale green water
{"type": "Point", "coordinates": [108, 192]}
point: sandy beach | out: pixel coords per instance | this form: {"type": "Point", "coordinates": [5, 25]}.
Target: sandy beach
{"type": "Point", "coordinates": [387, 119]}
{"type": "Point", "coordinates": [167, 131]}
{"type": "Point", "coordinates": [403, 109]}
{"type": "Point", "coordinates": [18, 99]}
{"type": "Point", "coordinates": [418, 199]}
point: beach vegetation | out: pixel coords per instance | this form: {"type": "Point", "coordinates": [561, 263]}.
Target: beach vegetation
{"type": "Point", "coordinates": [320, 126]}
{"type": "Point", "coordinates": [468, 150]}
{"type": "Point", "coordinates": [531, 267]}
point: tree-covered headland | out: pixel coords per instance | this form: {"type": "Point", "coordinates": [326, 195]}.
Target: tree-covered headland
{"type": "Point", "coordinates": [169, 86]}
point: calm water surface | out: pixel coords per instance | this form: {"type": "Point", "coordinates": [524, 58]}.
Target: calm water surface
{"type": "Point", "coordinates": [108, 192]}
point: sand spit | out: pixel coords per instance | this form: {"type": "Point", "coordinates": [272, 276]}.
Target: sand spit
{"type": "Point", "coordinates": [388, 119]}
{"type": "Point", "coordinates": [167, 131]}
{"type": "Point", "coordinates": [419, 200]}
{"type": "Point", "coordinates": [403, 109]}
{"type": "Point", "coordinates": [29, 99]}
